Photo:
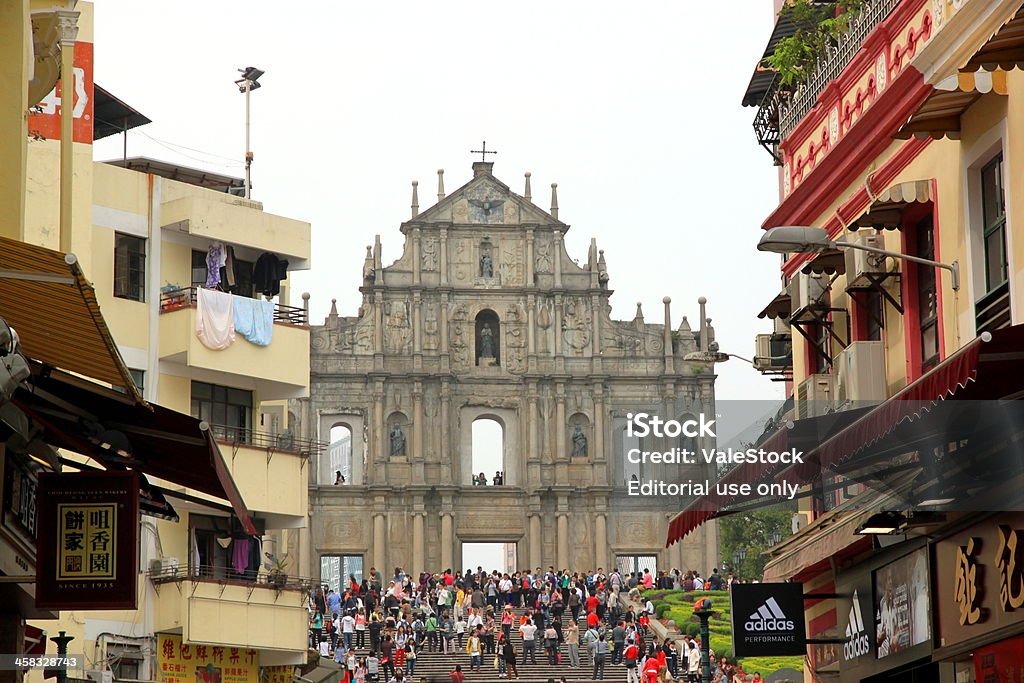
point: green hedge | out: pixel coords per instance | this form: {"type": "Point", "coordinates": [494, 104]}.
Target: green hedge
{"type": "Point", "coordinates": [678, 606]}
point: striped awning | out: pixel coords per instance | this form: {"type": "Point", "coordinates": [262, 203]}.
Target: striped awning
{"type": "Point", "coordinates": [46, 298]}
{"type": "Point", "coordinates": [985, 72]}
{"type": "Point", "coordinates": [886, 211]}
{"type": "Point", "coordinates": [828, 262]}
{"type": "Point", "coordinates": [780, 307]}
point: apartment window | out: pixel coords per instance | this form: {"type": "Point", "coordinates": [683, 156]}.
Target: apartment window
{"type": "Point", "coordinates": [126, 661]}
{"type": "Point", "coordinates": [227, 410]}
{"type": "Point", "coordinates": [242, 272]}
{"type": "Point", "coordinates": [993, 209]}
{"type": "Point", "coordinates": [927, 295]}
{"type": "Point", "coordinates": [129, 267]}
{"type": "Point", "coordinates": [139, 377]}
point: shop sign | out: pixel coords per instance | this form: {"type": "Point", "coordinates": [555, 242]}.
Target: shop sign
{"type": "Point", "coordinates": [858, 642]}
{"type": "Point", "coordinates": [1000, 662]}
{"type": "Point", "coordinates": [768, 619]}
{"type": "Point", "coordinates": [88, 558]}
{"type": "Point", "coordinates": [903, 616]}
{"type": "Point", "coordinates": [278, 674]}
{"type": "Point", "coordinates": [180, 662]}
{"type": "Point", "coordinates": [19, 500]}
{"type": "Point", "coordinates": [980, 577]}
{"type": "Point", "coordinates": [45, 121]}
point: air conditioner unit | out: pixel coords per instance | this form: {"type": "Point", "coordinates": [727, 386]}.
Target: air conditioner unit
{"type": "Point", "coordinates": [860, 375]}
{"type": "Point", "coordinates": [814, 396]}
{"type": "Point", "coordinates": [807, 291]}
{"type": "Point", "coordinates": [163, 567]}
{"type": "Point", "coordinates": [861, 264]}
{"type": "Point", "coordinates": [773, 352]}
{"type": "Point", "coordinates": [99, 676]}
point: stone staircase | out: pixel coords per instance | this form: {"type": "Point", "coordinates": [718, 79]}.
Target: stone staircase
{"type": "Point", "coordinates": [434, 667]}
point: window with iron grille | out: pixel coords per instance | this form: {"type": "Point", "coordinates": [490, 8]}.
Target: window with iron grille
{"type": "Point", "coordinates": [226, 409]}
{"type": "Point", "coordinates": [129, 267]}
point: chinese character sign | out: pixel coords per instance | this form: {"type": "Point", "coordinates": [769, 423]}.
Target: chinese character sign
{"type": "Point", "coordinates": [88, 549]}
{"type": "Point", "coordinates": [180, 662]}
{"type": "Point", "coordinates": [965, 592]}
{"type": "Point", "coordinates": [88, 534]}
{"type": "Point", "coordinates": [1011, 568]}
{"type": "Point", "coordinates": [278, 674]}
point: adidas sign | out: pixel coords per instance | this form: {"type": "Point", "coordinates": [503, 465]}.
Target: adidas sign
{"type": "Point", "coordinates": [857, 643]}
{"type": "Point", "coordinates": [769, 617]}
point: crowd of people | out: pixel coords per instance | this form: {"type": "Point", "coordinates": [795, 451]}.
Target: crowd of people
{"type": "Point", "coordinates": [473, 614]}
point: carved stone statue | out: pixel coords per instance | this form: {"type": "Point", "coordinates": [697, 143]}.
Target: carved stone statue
{"type": "Point", "coordinates": [397, 440]}
{"type": "Point", "coordinates": [486, 342]}
{"type": "Point", "coordinates": [486, 266]}
{"type": "Point", "coordinates": [579, 442]}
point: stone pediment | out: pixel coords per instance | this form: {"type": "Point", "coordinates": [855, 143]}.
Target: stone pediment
{"type": "Point", "coordinates": [484, 200]}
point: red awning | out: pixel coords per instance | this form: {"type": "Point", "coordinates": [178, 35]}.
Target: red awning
{"type": "Point", "coordinates": [161, 443]}
{"type": "Point", "coordinates": [988, 368]}
{"type": "Point", "coordinates": [799, 435]}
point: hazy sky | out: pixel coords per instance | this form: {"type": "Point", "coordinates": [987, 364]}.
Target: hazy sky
{"type": "Point", "coordinates": [633, 109]}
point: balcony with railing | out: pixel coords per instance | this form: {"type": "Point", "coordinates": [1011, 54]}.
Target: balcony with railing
{"type": "Point", "coordinates": [795, 107]}
{"type": "Point", "coordinates": [279, 370]}
{"type": "Point", "coordinates": [270, 441]}
{"type": "Point", "coordinates": [215, 604]}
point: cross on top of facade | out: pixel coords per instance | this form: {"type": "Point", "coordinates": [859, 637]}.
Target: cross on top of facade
{"type": "Point", "coordinates": [483, 151]}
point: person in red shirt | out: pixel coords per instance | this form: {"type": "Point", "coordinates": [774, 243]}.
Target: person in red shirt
{"type": "Point", "coordinates": [592, 603]}
{"type": "Point", "coordinates": [448, 578]}
{"type": "Point", "coordinates": [593, 620]}
{"type": "Point", "coordinates": [652, 669]}
{"type": "Point", "coordinates": [757, 678]}
{"type": "Point", "coordinates": [456, 674]}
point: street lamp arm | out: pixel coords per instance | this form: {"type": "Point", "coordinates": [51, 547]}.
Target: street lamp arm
{"type": "Point", "coordinates": [953, 268]}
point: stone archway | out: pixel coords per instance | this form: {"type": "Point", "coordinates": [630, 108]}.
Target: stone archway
{"type": "Point", "coordinates": [508, 418]}
{"type": "Point", "coordinates": [354, 423]}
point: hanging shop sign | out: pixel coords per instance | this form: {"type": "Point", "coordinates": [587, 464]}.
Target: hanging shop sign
{"type": "Point", "coordinates": [180, 662]}
{"type": "Point", "coordinates": [902, 615]}
{"type": "Point", "coordinates": [768, 619]}
{"type": "Point", "coordinates": [87, 556]}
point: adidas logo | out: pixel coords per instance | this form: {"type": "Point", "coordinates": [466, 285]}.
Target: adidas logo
{"type": "Point", "coordinates": [857, 643]}
{"type": "Point", "coordinates": [769, 617]}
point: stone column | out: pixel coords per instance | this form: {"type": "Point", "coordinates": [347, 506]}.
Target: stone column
{"type": "Point", "coordinates": [379, 431]}
{"type": "Point", "coordinates": [562, 536]}
{"type": "Point", "coordinates": [531, 327]}
{"type": "Point", "coordinates": [557, 257]}
{"type": "Point", "coordinates": [595, 336]}
{"type": "Point", "coordinates": [379, 543]}
{"type": "Point", "coordinates": [418, 560]}
{"type": "Point", "coordinates": [529, 257]}
{"type": "Point", "coordinates": [601, 541]}
{"type": "Point", "coordinates": [558, 325]}
{"type": "Point", "coordinates": [669, 354]}
{"type": "Point", "coordinates": [378, 331]}
{"type": "Point", "coordinates": [417, 323]}
{"type": "Point", "coordinates": [416, 265]}
{"type": "Point", "coordinates": [417, 431]}
{"type": "Point", "coordinates": [446, 439]}
{"type": "Point", "coordinates": [560, 439]}
{"type": "Point", "coordinates": [447, 526]}
{"type": "Point", "coordinates": [535, 558]}
{"type": "Point", "coordinates": [443, 247]}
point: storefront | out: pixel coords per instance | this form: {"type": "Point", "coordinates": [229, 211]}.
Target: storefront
{"type": "Point", "coordinates": [979, 601]}
{"type": "Point", "coordinates": [883, 617]}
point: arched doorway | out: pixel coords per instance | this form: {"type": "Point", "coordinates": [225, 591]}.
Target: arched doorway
{"type": "Point", "coordinates": [339, 452]}
{"type": "Point", "coordinates": [487, 462]}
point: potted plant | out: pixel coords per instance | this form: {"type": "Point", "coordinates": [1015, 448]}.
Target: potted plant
{"type": "Point", "coordinates": [276, 566]}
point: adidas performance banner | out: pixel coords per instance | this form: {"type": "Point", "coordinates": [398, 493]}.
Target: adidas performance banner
{"type": "Point", "coordinates": [768, 619]}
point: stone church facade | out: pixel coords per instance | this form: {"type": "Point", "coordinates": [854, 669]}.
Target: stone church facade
{"type": "Point", "coordinates": [485, 315]}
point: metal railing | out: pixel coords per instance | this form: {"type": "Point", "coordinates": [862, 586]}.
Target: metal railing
{"type": "Point", "coordinates": [766, 121]}
{"type": "Point", "coordinates": [226, 575]}
{"type": "Point", "coordinates": [185, 297]}
{"type": "Point", "coordinates": [797, 107]}
{"type": "Point", "coordinates": [284, 441]}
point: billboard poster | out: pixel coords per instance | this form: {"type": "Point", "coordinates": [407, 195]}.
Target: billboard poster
{"type": "Point", "coordinates": [768, 619]}
{"type": "Point", "coordinates": [902, 615]}
{"type": "Point", "coordinates": [45, 121]}
{"type": "Point", "coordinates": [88, 548]}
{"type": "Point", "coordinates": [180, 662]}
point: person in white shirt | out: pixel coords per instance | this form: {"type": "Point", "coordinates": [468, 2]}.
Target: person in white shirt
{"type": "Point", "coordinates": [348, 628]}
{"type": "Point", "coordinates": [693, 661]}
{"type": "Point", "coordinates": [528, 631]}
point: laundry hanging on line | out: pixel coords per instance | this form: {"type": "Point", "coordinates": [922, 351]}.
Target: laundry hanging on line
{"type": "Point", "coordinates": [254, 319]}
{"type": "Point", "coordinates": [215, 318]}
{"type": "Point", "coordinates": [268, 273]}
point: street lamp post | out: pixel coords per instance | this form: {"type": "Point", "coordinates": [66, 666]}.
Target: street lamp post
{"type": "Point", "coordinates": [246, 84]}
{"type": "Point", "coordinates": [737, 558]}
{"type": "Point", "coordinates": [776, 537]}
{"type": "Point", "coordinates": [62, 640]}
{"type": "Point", "coordinates": [803, 239]}
{"type": "Point", "coordinates": [703, 612]}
